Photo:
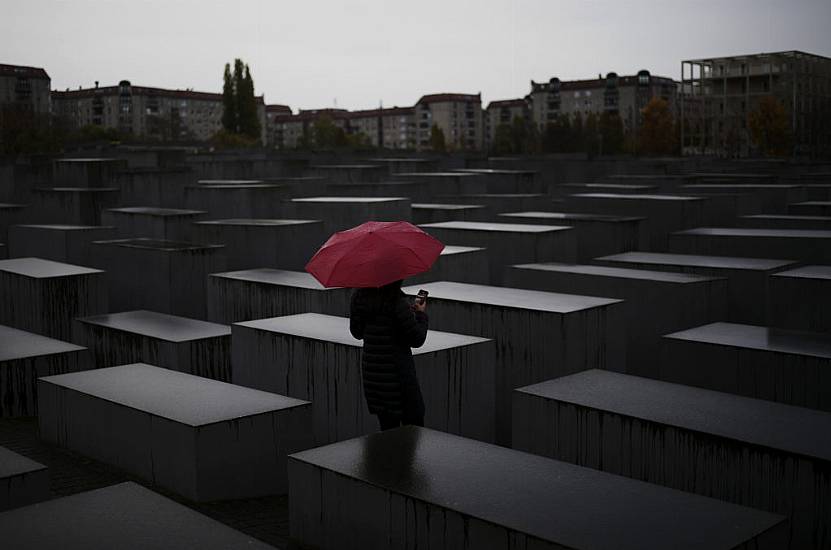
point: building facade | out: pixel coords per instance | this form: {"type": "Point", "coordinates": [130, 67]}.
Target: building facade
{"type": "Point", "coordinates": [502, 112]}
{"type": "Point", "coordinates": [153, 113]}
{"type": "Point", "coordinates": [392, 128]}
{"type": "Point", "coordinates": [25, 88]}
{"type": "Point", "coordinates": [625, 96]}
{"type": "Point", "coordinates": [459, 116]}
{"type": "Point", "coordinates": [720, 93]}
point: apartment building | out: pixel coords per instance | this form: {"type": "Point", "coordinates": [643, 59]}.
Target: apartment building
{"type": "Point", "coordinates": [719, 93]}
{"type": "Point", "coordinates": [502, 112]}
{"type": "Point", "coordinates": [155, 113]}
{"type": "Point", "coordinates": [458, 115]}
{"type": "Point", "coordinates": [24, 88]}
{"type": "Point", "coordinates": [289, 129]}
{"type": "Point", "coordinates": [392, 128]}
{"type": "Point", "coordinates": [625, 96]}
{"type": "Point", "coordinates": [274, 115]}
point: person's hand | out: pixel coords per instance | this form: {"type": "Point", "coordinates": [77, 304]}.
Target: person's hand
{"type": "Point", "coordinates": [422, 306]}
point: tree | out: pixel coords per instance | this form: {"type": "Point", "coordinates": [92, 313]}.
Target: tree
{"type": "Point", "coordinates": [591, 135]}
{"type": "Point", "coordinates": [657, 132]}
{"type": "Point", "coordinates": [437, 142]}
{"type": "Point", "coordinates": [502, 142]}
{"type": "Point", "coordinates": [239, 106]}
{"type": "Point", "coordinates": [326, 134]}
{"type": "Point", "coordinates": [611, 133]}
{"type": "Point", "coordinates": [575, 143]}
{"type": "Point", "coordinates": [769, 128]}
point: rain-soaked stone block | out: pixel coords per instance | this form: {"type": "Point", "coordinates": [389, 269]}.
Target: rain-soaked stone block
{"type": "Point", "coordinates": [766, 363]}
{"type": "Point", "coordinates": [238, 200]}
{"type": "Point", "coordinates": [157, 187]}
{"type": "Point", "coordinates": [799, 299]}
{"type": "Point", "coordinates": [807, 245]}
{"type": "Point", "coordinates": [655, 302]}
{"type": "Point", "coordinates": [784, 221]}
{"type": "Point", "coordinates": [125, 516]}
{"type": "Point", "coordinates": [340, 213]}
{"type": "Point", "coordinates": [538, 335]}
{"type": "Point", "coordinates": [446, 183]}
{"type": "Point", "coordinates": [202, 439]}
{"type": "Point", "coordinates": [43, 296]}
{"type": "Point", "coordinates": [165, 276]}
{"type": "Point", "coordinates": [177, 343]}
{"type": "Point", "coordinates": [398, 165]}
{"type": "Point", "coordinates": [597, 234]}
{"type": "Point", "coordinates": [506, 180]}
{"type": "Point", "coordinates": [4, 251]}
{"type": "Point", "coordinates": [57, 242]}
{"type": "Point", "coordinates": [172, 224]}
{"type": "Point", "coordinates": [253, 243]}
{"type": "Point", "coordinates": [22, 481]}
{"type": "Point", "coordinates": [463, 264]}
{"type": "Point", "coordinates": [25, 356]}
{"type": "Point", "coordinates": [497, 203]}
{"type": "Point", "coordinates": [773, 198]}
{"type": "Point", "coordinates": [314, 357]}
{"type": "Point", "coordinates": [413, 190]}
{"type": "Point", "coordinates": [811, 208]}
{"type": "Point", "coordinates": [751, 452]}
{"type": "Point", "coordinates": [510, 243]}
{"type": "Point", "coordinates": [414, 486]}
{"type": "Point", "coordinates": [11, 214]}
{"type": "Point", "coordinates": [665, 213]}
{"type": "Point", "coordinates": [86, 172]}
{"type": "Point", "coordinates": [747, 278]}
{"type": "Point", "coordinates": [73, 205]}
{"type": "Point", "coordinates": [563, 189]}
{"type": "Point", "coordinates": [260, 293]}
{"type": "Point", "coordinates": [349, 173]}
{"type": "Point", "coordinates": [428, 212]}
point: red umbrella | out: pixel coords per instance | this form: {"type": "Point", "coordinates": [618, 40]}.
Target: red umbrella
{"type": "Point", "coordinates": [374, 254]}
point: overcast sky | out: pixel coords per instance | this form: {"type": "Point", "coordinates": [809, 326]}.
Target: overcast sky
{"type": "Point", "coordinates": [313, 53]}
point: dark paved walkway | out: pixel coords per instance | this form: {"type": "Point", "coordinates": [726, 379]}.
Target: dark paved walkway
{"type": "Point", "coordinates": [266, 518]}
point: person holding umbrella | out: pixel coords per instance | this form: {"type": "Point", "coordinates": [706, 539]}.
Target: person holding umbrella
{"type": "Point", "coordinates": [374, 258]}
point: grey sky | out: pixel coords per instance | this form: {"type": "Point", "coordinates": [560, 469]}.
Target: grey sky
{"type": "Point", "coordinates": [307, 53]}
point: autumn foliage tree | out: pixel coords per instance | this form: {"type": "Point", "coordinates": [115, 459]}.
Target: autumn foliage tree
{"type": "Point", "coordinates": [769, 128]}
{"type": "Point", "coordinates": [657, 131]}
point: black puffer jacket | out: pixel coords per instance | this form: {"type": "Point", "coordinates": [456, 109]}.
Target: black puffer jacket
{"type": "Point", "coordinates": [389, 328]}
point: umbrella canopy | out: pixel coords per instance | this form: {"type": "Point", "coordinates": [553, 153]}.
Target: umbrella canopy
{"type": "Point", "coordinates": [374, 254]}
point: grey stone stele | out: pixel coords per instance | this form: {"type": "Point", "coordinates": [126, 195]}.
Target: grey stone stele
{"type": "Point", "coordinates": [784, 221]}
{"type": "Point", "coordinates": [74, 205]}
{"type": "Point", "coordinates": [414, 487]}
{"type": "Point", "coordinates": [538, 335]}
{"type": "Point", "coordinates": [57, 242]}
{"type": "Point", "coordinates": [751, 452]}
{"type": "Point", "coordinates": [747, 278]}
{"type": "Point", "coordinates": [160, 187]}
{"type": "Point", "coordinates": [24, 357]}
{"type": "Point", "coordinates": [340, 212]}
{"type": "Point", "coordinates": [454, 183]}
{"type": "Point", "coordinates": [177, 343]}
{"type": "Point", "coordinates": [507, 181]}
{"type": "Point", "coordinates": [655, 302]}
{"type": "Point", "coordinates": [203, 439]}
{"type": "Point", "coordinates": [255, 200]}
{"type": "Point", "coordinates": [790, 367]}
{"type": "Point", "coordinates": [430, 212]}
{"type": "Point", "coordinates": [463, 264]}
{"type": "Point", "coordinates": [807, 245]}
{"type": "Point", "coordinates": [312, 356]}
{"type": "Point", "coordinates": [509, 243]}
{"type": "Point", "coordinates": [259, 293]}
{"type": "Point", "coordinates": [152, 221]}
{"type": "Point", "coordinates": [44, 297]}
{"type": "Point", "coordinates": [125, 516]}
{"type": "Point", "coordinates": [799, 299]}
{"type": "Point", "coordinates": [22, 481]}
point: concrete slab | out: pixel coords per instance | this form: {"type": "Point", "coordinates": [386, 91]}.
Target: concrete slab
{"type": "Point", "coordinates": [774, 197]}
{"type": "Point", "coordinates": [125, 516]}
{"type": "Point", "coordinates": [202, 439]}
{"type": "Point", "coordinates": [810, 208]}
{"type": "Point", "coordinates": [164, 276]}
{"type": "Point", "coordinates": [73, 205]}
{"type": "Point", "coordinates": [413, 190]}
{"type": "Point", "coordinates": [402, 164]}
{"type": "Point", "coordinates": [438, 212]}
{"type": "Point", "coordinates": [625, 188]}
{"type": "Point", "coordinates": [785, 221]}
{"type": "Point", "coordinates": [506, 180]}
{"type": "Point", "coordinates": [11, 214]}
{"type": "Point", "coordinates": [57, 242]}
{"type": "Point", "coordinates": [260, 293]}
{"type": "Point", "coordinates": [509, 243]}
{"type": "Point", "coordinates": [597, 234]}
{"type": "Point", "coordinates": [86, 172]}
{"type": "Point", "coordinates": [163, 187]}
{"type": "Point", "coordinates": [22, 481]}
{"type": "Point", "coordinates": [463, 264]}
{"type": "Point", "coordinates": [451, 183]}
{"type": "Point", "coordinates": [500, 202]}
{"type": "Point", "coordinates": [349, 173]}
{"type": "Point", "coordinates": [177, 343]}
{"type": "Point", "coordinates": [748, 451]}
{"type": "Point", "coordinates": [25, 356]}
{"type": "Point", "coordinates": [258, 243]}
{"type": "Point", "coordinates": [798, 244]}
{"type": "Point", "coordinates": [313, 356]}
{"type": "Point", "coordinates": [418, 486]}
{"type": "Point", "coordinates": [340, 213]}
{"type": "Point", "coordinates": [44, 297]}
{"type": "Point", "coordinates": [538, 335]}
{"type": "Point", "coordinates": [655, 302]}
{"type": "Point", "coordinates": [152, 222]}
{"type": "Point", "coordinates": [798, 299]}
{"type": "Point", "coordinates": [766, 363]}
{"type": "Point", "coordinates": [665, 213]}
{"type": "Point", "coordinates": [747, 278]}
{"type": "Point", "coordinates": [231, 200]}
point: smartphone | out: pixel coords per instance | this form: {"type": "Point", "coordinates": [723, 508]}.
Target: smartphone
{"type": "Point", "coordinates": [421, 297]}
